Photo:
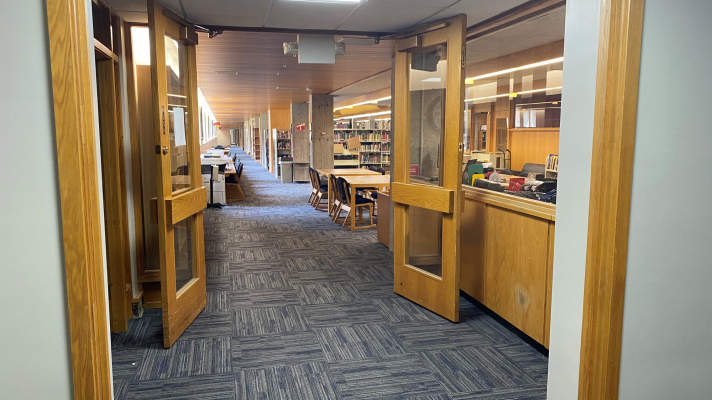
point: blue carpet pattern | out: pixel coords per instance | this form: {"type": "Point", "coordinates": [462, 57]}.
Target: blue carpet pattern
{"type": "Point", "coordinates": [300, 308]}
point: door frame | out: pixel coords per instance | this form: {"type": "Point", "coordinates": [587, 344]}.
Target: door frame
{"type": "Point", "coordinates": [81, 220]}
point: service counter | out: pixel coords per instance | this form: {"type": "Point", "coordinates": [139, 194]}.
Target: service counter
{"type": "Point", "coordinates": [507, 245]}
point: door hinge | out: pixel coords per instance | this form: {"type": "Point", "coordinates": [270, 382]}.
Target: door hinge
{"type": "Point", "coordinates": [163, 118]}
{"type": "Point", "coordinates": [464, 55]}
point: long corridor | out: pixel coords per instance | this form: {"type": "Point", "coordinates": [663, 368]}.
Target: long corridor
{"type": "Point", "coordinates": [300, 308]}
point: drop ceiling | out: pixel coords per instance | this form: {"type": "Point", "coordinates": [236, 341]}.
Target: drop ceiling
{"type": "Point", "coordinates": [258, 56]}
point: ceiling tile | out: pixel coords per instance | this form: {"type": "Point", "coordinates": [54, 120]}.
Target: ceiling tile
{"type": "Point", "coordinates": [242, 8]}
{"type": "Point", "coordinates": [477, 10]}
{"type": "Point", "coordinates": [308, 15]}
{"type": "Point", "coordinates": [386, 16]}
{"type": "Point", "coordinates": [225, 20]}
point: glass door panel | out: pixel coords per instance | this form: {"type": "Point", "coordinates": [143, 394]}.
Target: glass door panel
{"type": "Point", "coordinates": [428, 166]}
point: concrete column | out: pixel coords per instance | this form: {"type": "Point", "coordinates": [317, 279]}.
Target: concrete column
{"type": "Point", "coordinates": [300, 142]}
{"type": "Point", "coordinates": [321, 116]}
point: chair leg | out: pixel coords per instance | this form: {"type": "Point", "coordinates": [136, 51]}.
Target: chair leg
{"type": "Point", "coordinates": [347, 217]}
{"type": "Point", "coordinates": [370, 212]}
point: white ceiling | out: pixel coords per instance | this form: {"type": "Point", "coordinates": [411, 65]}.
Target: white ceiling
{"type": "Point", "coordinates": [368, 15]}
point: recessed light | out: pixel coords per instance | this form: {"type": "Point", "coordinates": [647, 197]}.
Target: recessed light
{"type": "Point", "coordinates": [226, 72]}
{"type": "Point", "coordinates": [287, 88]}
{"type": "Point", "coordinates": [284, 65]}
{"type": "Point", "coordinates": [309, 89]}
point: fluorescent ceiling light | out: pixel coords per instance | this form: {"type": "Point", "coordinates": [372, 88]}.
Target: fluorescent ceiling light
{"type": "Point", "coordinates": [287, 88]}
{"type": "Point", "coordinates": [431, 80]}
{"type": "Point", "coordinates": [226, 72]}
{"type": "Point", "coordinates": [364, 115]}
{"type": "Point", "coordinates": [329, 1]}
{"type": "Point", "coordinates": [364, 102]}
{"type": "Point", "coordinates": [515, 94]}
{"type": "Point", "coordinates": [180, 96]}
{"type": "Point", "coordinates": [470, 81]}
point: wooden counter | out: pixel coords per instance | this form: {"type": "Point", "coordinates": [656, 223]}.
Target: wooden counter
{"type": "Point", "coordinates": [507, 247]}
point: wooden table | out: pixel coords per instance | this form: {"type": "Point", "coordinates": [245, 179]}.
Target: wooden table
{"type": "Point", "coordinates": [356, 182]}
{"type": "Point", "coordinates": [343, 172]}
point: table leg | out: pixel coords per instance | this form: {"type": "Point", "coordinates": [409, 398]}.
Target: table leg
{"type": "Point", "coordinates": [353, 209]}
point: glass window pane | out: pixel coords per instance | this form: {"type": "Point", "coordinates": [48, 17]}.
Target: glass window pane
{"type": "Point", "coordinates": [183, 242]}
{"type": "Point", "coordinates": [425, 249]}
{"type": "Point", "coordinates": [176, 70]}
{"type": "Point", "coordinates": [428, 79]}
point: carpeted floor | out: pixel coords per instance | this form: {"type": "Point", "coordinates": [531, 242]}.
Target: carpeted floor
{"type": "Point", "coordinates": [300, 308]}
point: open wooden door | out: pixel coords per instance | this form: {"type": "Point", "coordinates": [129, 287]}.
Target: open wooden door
{"type": "Point", "coordinates": [181, 197]}
{"type": "Point", "coordinates": [429, 107]}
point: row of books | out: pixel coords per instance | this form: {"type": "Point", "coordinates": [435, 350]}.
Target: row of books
{"type": "Point", "coordinates": [552, 162]}
{"type": "Point", "coordinates": [284, 145]}
{"type": "Point", "coordinates": [370, 159]}
{"type": "Point", "coordinates": [283, 135]}
{"type": "Point", "coordinates": [376, 137]}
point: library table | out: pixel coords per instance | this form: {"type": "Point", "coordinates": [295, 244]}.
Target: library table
{"type": "Point", "coordinates": [356, 182]}
{"type": "Point", "coordinates": [342, 172]}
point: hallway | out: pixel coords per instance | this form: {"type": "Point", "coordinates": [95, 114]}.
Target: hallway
{"type": "Point", "coordinates": [300, 308]}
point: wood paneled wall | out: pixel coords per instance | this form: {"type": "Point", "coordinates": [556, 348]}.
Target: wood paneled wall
{"type": "Point", "coordinates": [279, 119]}
{"type": "Point", "coordinates": [532, 145]}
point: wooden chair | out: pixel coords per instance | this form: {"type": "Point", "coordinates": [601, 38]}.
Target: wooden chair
{"type": "Point", "coordinates": [322, 193]}
{"type": "Point", "coordinates": [315, 189]}
{"type": "Point", "coordinates": [361, 203]}
{"type": "Point", "coordinates": [233, 190]}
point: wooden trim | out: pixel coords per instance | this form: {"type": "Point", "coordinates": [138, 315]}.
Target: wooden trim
{"type": "Point", "coordinates": [79, 197]}
{"type": "Point", "coordinates": [98, 46]}
{"type": "Point", "coordinates": [519, 204]}
{"type": "Point", "coordinates": [423, 196]}
{"type": "Point", "coordinates": [615, 117]}
{"type": "Point", "coordinates": [185, 205]}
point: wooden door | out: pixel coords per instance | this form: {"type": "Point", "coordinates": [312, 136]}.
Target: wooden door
{"type": "Point", "coordinates": [181, 197]}
{"type": "Point", "coordinates": [429, 108]}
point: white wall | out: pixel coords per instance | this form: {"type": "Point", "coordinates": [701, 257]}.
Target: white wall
{"type": "Point", "coordinates": [35, 360]}
{"type": "Point", "coordinates": [575, 146]}
{"type": "Point", "coordinates": [667, 344]}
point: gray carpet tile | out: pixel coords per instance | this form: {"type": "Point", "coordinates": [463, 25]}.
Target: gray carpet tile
{"type": "Point", "coordinates": [371, 273]}
{"type": "Point", "coordinates": [259, 321]}
{"type": "Point", "coordinates": [528, 359]}
{"type": "Point", "coordinates": [217, 269]}
{"type": "Point", "coordinates": [359, 341]}
{"type": "Point", "coordinates": [277, 297]}
{"type": "Point", "coordinates": [205, 387]}
{"type": "Point", "coordinates": [524, 392]}
{"type": "Point", "coordinates": [467, 369]}
{"type": "Point", "coordinates": [259, 280]}
{"type": "Point", "coordinates": [308, 263]}
{"type": "Point", "coordinates": [187, 358]}
{"type": "Point", "coordinates": [325, 293]}
{"type": "Point", "coordinates": [218, 301]}
{"type": "Point", "coordinates": [276, 349]}
{"type": "Point", "coordinates": [398, 309]}
{"type": "Point", "coordinates": [125, 361]}
{"type": "Point", "coordinates": [384, 378]}
{"type": "Point", "coordinates": [340, 314]}
{"type": "Point", "coordinates": [300, 308]}
{"type": "Point", "coordinates": [309, 381]}
{"type": "Point", "coordinates": [442, 334]}
{"type": "Point", "coordinates": [318, 276]}
{"type": "Point", "coordinates": [209, 325]}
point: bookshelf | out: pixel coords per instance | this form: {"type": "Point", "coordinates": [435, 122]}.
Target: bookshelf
{"type": "Point", "coordinates": [551, 167]}
{"type": "Point", "coordinates": [374, 152]}
{"type": "Point", "coordinates": [282, 147]}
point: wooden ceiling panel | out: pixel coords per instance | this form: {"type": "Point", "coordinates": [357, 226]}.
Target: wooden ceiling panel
{"type": "Point", "coordinates": [258, 57]}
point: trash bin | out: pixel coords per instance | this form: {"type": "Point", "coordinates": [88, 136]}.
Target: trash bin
{"type": "Point", "coordinates": [286, 168]}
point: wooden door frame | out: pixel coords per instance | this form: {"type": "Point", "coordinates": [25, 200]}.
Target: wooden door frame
{"type": "Point", "coordinates": [615, 115]}
{"type": "Point", "coordinates": [79, 197]}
